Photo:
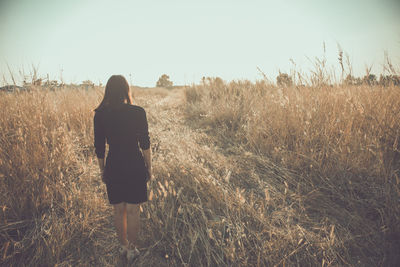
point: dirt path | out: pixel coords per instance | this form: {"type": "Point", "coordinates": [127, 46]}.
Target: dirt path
{"type": "Point", "coordinates": [177, 146]}
{"type": "Point", "coordinates": [171, 138]}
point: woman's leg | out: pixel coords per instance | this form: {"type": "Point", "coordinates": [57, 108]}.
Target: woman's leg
{"type": "Point", "coordinates": [133, 211]}
{"type": "Point", "coordinates": [120, 222]}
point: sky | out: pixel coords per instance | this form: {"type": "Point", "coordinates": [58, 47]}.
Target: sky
{"type": "Point", "coordinates": [78, 40]}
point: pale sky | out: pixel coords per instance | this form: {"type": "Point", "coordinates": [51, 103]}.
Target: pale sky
{"type": "Point", "coordinates": [187, 39]}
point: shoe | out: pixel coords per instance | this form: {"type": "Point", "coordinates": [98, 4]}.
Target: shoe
{"type": "Point", "coordinates": [132, 254]}
{"type": "Point", "coordinates": [123, 250]}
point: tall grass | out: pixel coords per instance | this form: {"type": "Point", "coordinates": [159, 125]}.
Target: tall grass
{"type": "Point", "coordinates": [340, 143]}
{"type": "Point", "coordinates": [245, 175]}
{"type": "Point", "coordinates": [45, 183]}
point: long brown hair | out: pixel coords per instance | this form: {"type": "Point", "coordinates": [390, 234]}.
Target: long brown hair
{"type": "Point", "coordinates": [117, 92]}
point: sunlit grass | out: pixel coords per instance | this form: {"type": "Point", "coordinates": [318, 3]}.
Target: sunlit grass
{"type": "Point", "coordinates": [340, 145]}
{"type": "Point", "coordinates": [245, 175]}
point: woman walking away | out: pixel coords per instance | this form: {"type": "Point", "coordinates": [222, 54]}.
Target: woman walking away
{"type": "Point", "coordinates": [127, 168]}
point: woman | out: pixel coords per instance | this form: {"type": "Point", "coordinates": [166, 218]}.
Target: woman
{"type": "Point", "coordinates": [127, 169]}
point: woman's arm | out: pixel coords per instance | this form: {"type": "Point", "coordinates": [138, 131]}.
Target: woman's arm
{"type": "Point", "coordinates": [144, 142]}
{"type": "Point", "coordinates": [101, 166]}
{"type": "Point", "coordinates": [147, 161]}
{"type": "Point", "coordinates": [99, 142]}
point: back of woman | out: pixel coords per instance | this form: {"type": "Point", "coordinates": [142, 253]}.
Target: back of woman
{"type": "Point", "coordinates": [123, 126]}
{"type": "Point", "coordinates": [125, 129]}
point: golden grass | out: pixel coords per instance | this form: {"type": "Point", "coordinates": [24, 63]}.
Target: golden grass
{"type": "Point", "coordinates": [245, 175]}
{"type": "Point", "coordinates": [341, 147]}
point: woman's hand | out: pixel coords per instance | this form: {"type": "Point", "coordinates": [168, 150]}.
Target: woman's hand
{"type": "Point", "coordinates": [149, 174]}
{"type": "Point", "coordinates": [103, 177]}
{"type": "Point", "coordinates": [147, 161]}
{"type": "Point", "coordinates": [101, 166]}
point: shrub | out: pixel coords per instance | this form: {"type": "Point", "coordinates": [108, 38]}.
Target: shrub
{"type": "Point", "coordinates": [284, 80]}
{"type": "Point", "coordinates": [164, 81]}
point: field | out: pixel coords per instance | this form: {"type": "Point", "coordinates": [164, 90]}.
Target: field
{"type": "Point", "coordinates": [246, 174]}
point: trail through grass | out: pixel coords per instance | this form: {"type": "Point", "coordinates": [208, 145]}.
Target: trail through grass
{"type": "Point", "coordinates": [214, 200]}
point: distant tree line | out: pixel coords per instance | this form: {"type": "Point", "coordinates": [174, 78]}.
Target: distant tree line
{"type": "Point", "coordinates": [285, 80]}
{"type": "Point", "coordinates": [371, 79]}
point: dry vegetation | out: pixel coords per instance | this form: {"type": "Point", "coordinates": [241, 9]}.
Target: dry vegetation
{"type": "Point", "coordinates": [245, 175]}
{"type": "Point", "coordinates": [338, 200]}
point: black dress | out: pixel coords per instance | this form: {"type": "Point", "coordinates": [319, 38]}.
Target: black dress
{"type": "Point", "coordinates": [124, 128]}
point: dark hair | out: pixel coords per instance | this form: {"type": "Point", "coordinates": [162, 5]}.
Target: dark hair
{"type": "Point", "coordinates": [117, 92]}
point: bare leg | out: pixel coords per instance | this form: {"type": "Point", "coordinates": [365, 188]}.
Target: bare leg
{"type": "Point", "coordinates": [133, 211]}
{"type": "Point", "coordinates": [120, 222]}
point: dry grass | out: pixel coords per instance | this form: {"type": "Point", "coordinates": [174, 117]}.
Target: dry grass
{"type": "Point", "coordinates": [245, 175]}
{"type": "Point", "coordinates": [46, 190]}
{"type": "Point", "coordinates": [341, 147]}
